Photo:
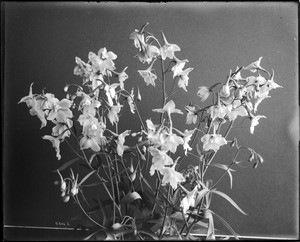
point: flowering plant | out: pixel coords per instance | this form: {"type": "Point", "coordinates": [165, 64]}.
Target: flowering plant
{"type": "Point", "coordinates": [148, 196]}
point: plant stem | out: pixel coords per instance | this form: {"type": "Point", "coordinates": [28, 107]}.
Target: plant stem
{"type": "Point", "coordinates": [210, 160]}
{"type": "Point", "coordinates": [78, 202]}
{"type": "Point", "coordinates": [164, 88]}
{"type": "Point", "coordinates": [166, 212]}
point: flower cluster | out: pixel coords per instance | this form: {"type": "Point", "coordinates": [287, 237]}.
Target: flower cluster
{"type": "Point", "coordinates": [90, 114]}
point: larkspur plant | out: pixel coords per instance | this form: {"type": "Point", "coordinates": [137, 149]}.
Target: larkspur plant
{"type": "Point", "coordinates": [177, 203]}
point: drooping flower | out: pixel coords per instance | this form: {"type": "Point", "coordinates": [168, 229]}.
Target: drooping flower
{"type": "Point", "coordinates": [147, 53]}
{"type": "Point", "coordinates": [254, 122]}
{"type": "Point", "coordinates": [56, 143]}
{"type": "Point", "coordinates": [213, 141]}
{"type": "Point", "coordinates": [191, 116]}
{"type": "Point", "coordinates": [179, 64]}
{"type": "Point", "coordinates": [120, 142]}
{"type": "Point", "coordinates": [130, 101]}
{"type": "Point", "coordinates": [203, 93]}
{"type": "Point", "coordinates": [138, 37]}
{"type": "Point", "coordinates": [167, 50]}
{"type": "Point", "coordinates": [159, 160]}
{"type": "Point", "coordinates": [148, 76]}
{"type": "Point", "coordinates": [187, 135]}
{"type": "Point", "coordinates": [219, 111]}
{"type": "Point", "coordinates": [183, 78]}
{"type": "Point", "coordinates": [111, 92]}
{"type": "Point", "coordinates": [122, 77]}
{"type": "Point", "coordinates": [113, 113]}
{"type": "Point", "coordinates": [171, 176]}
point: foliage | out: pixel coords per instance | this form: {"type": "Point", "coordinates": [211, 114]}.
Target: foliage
{"type": "Point", "coordinates": [147, 196]}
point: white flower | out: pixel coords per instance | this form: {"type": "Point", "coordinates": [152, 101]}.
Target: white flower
{"type": "Point", "coordinates": [189, 200]}
{"type": "Point", "coordinates": [169, 108]}
{"type": "Point", "coordinates": [55, 142]}
{"type": "Point", "coordinates": [254, 66]}
{"type": "Point", "coordinates": [179, 64]}
{"type": "Point", "coordinates": [120, 142]}
{"type": "Point", "coordinates": [219, 111]}
{"type": "Point", "coordinates": [213, 142]}
{"type": "Point", "coordinates": [171, 176]}
{"type": "Point", "coordinates": [159, 159]}
{"type": "Point", "coordinates": [203, 93]}
{"type": "Point", "coordinates": [254, 122]}
{"type": "Point", "coordinates": [113, 113]}
{"type": "Point", "coordinates": [187, 135]}
{"type": "Point", "coordinates": [148, 76]}
{"type": "Point", "coordinates": [191, 116]}
{"type": "Point", "coordinates": [183, 78]}
{"type": "Point", "coordinates": [167, 51]}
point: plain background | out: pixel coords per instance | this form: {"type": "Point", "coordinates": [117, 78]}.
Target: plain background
{"type": "Point", "coordinates": [41, 41]}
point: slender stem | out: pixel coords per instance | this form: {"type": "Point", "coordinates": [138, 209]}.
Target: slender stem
{"type": "Point", "coordinates": [232, 163]}
{"type": "Point", "coordinates": [137, 110]}
{"type": "Point", "coordinates": [157, 190]}
{"type": "Point", "coordinates": [214, 153]}
{"type": "Point", "coordinates": [166, 212]}
{"type": "Point", "coordinates": [74, 150]}
{"type": "Point", "coordinates": [78, 202]}
{"type": "Point", "coordinates": [163, 87]}
{"type": "Point", "coordinates": [112, 189]}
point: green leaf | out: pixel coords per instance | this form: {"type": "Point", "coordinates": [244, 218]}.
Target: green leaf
{"type": "Point", "coordinates": [130, 197]}
{"type": "Point", "coordinates": [224, 167]}
{"type": "Point", "coordinates": [67, 164]}
{"type": "Point", "coordinates": [101, 205]}
{"type": "Point", "coordinates": [200, 195]}
{"type": "Point", "coordinates": [92, 158]}
{"type": "Point", "coordinates": [229, 200]}
{"type": "Point", "coordinates": [211, 226]}
{"type": "Point", "coordinates": [175, 196]}
{"type": "Point", "coordinates": [226, 224]}
{"type": "Point", "coordinates": [86, 177]}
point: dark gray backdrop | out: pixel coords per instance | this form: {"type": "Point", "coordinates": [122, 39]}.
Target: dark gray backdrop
{"type": "Point", "coordinates": [41, 41]}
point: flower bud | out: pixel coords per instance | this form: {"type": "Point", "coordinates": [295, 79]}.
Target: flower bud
{"type": "Point", "coordinates": [133, 176]}
{"type": "Point", "coordinates": [259, 158]}
{"type": "Point", "coordinates": [66, 88]}
{"type": "Point", "coordinates": [116, 226]}
{"type": "Point", "coordinates": [66, 198]}
{"type": "Point", "coordinates": [63, 186]}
